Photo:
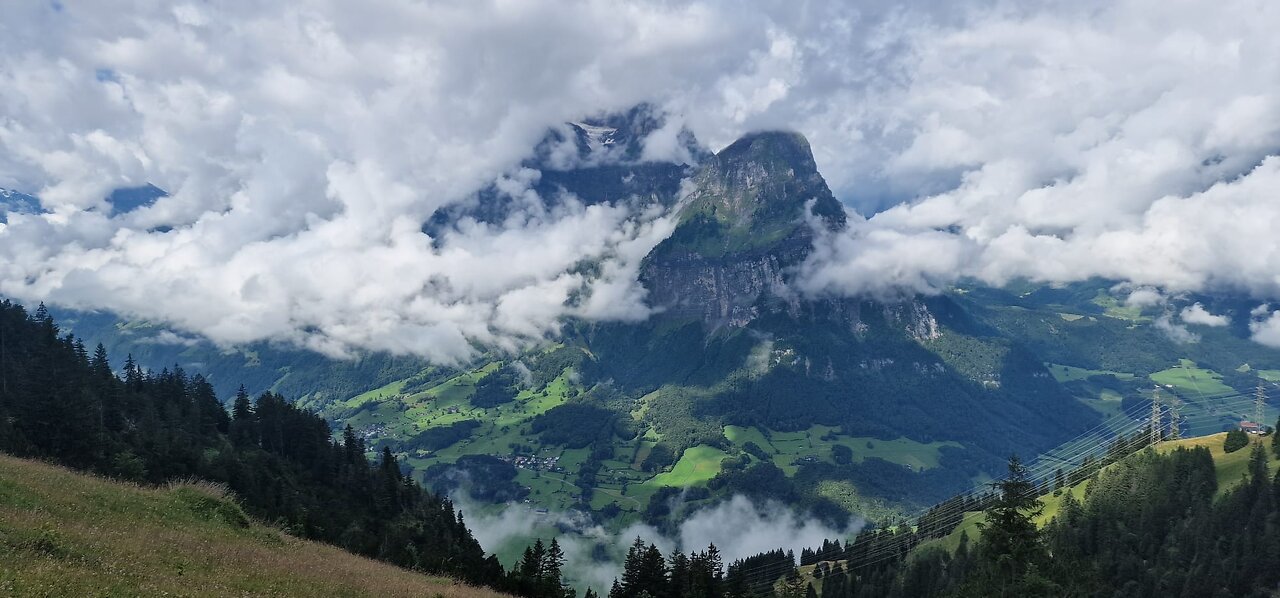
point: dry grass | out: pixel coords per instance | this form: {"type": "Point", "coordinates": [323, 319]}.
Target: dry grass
{"type": "Point", "coordinates": [67, 534]}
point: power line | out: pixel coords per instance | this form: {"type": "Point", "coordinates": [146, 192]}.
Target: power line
{"type": "Point", "coordinates": [1077, 449]}
{"type": "Point", "coordinates": [1040, 474]}
{"type": "Point", "coordinates": [1155, 416]}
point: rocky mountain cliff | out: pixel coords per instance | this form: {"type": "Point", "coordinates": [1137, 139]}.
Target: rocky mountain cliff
{"type": "Point", "coordinates": [748, 220]}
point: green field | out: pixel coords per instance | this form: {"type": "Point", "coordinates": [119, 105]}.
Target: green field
{"type": "Point", "coordinates": [1066, 373]}
{"type": "Point", "coordinates": [1192, 382]}
{"type": "Point", "coordinates": [1268, 375]}
{"type": "Point", "coordinates": [69, 534]}
{"type": "Point", "coordinates": [1113, 307]}
{"type": "Point", "coordinates": [787, 447]}
{"type": "Point", "coordinates": [696, 465]}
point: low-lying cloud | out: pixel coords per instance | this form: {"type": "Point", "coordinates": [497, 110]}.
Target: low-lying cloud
{"type": "Point", "coordinates": [1197, 314]}
{"type": "Point", "coordinates": [1265, 327]}
{"type": "Point", "coordinates": [739, 527]}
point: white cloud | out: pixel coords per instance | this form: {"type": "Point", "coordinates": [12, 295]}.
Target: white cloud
{"type": "Point", "coordinates": [1177, 333]}
{"type": "Point", "coordinates": [1197, 314]}
{"type": "Point", "coordinates": [304, 143]}
{"type": "Point", "coordinates": [1266, 330]}
{"type": "Point", "coordinates": [1144, 297]}
{"type": "Point", "coordinates": [1044, 167]}
{"type": "Point", "coordinates": [741, 528]}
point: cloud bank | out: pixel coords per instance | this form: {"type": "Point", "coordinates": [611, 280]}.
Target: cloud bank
{"type": "Point", "coordinates": [303, 145]}
{"type": "Point", "coordinates": [738, 527]}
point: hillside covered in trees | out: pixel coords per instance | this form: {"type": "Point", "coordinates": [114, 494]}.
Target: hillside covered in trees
{"type": "Point", "coordinates": [1156, 522]}
{"type": "Point", "coordinates": [1151, 525]}
{"type": "Point", "coordinates": [62, 404]}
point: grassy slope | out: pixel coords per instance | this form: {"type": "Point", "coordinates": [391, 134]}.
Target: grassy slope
{"type": "Point", "coordinates": [68, 534]}
{"type": "Point", "coordinates": [1193, 381]}
{"type": "Point", "coordinates": [1230, 467]}
{"type": "Point", "coordinates": [697, 465]}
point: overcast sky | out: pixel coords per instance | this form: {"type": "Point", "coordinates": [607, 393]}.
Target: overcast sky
{"type": "Point", "coordinates": [303, 144]}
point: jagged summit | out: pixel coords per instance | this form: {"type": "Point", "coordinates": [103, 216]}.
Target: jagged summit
{"type": "Point", "coordinates": [753, 193]}
{"type": "Point", "coordinates": [740, 230]}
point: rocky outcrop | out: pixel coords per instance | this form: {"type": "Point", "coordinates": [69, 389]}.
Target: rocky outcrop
{"type": "Point", "coordinates": [740, 232]}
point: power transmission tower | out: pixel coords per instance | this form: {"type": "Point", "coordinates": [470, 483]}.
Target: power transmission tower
{"type": "Point", "coordinates": [1175, 418]}
{"type": "Point", "coordinates": [1259, 406]}
{"type": "Point", "coordinates": [1155, 416]}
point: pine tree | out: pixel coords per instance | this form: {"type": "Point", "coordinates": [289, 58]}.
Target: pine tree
{"type": "Point", "coordinates": [550, 584]}
{"type": "Point", "coordinates": [632, 577]}
{"type": "Point", "coordinates": [678, 580]}
{"type": "Point", "coordinates": [653, 572]}
{"type": "Point", "coordinates": [351, 445]}
{"type": "Point", "coordinates": [716, 570]}
{"type": "Point", "coordinates": [243, 421]}
{"type": "Point", "coordinates": [1011, 550]}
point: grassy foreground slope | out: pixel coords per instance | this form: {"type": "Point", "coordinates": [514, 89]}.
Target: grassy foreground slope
{"type": "Point", "coordinates": [69, 534]}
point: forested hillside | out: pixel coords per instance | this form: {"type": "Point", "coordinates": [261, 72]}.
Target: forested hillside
{"type": "Point", "coordinates": [1165, 522]}
{"type": "Point", "coordinates": [62, 404]}
{"type": "Point", "coordinates": [1177, 520]}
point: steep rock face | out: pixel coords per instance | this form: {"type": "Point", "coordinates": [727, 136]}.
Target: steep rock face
{"type": "Point", "coordinates": [740, 231]}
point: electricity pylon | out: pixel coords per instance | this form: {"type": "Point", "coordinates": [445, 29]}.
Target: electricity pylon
{"type": "Point", "coordinates": [1155, 416]}
{"type": "Point", "coordinates": [1259, 406]}
{"type": "Point", "coordinates": [1175, 418]}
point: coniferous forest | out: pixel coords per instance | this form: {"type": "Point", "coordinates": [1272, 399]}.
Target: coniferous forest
{"type": "Point", "coordinates": [1149, 525]}
{"type": "Point", "coordinates": [61, 403]}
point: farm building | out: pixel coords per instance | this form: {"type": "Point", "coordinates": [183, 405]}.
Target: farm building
{"type": "Point", "coordinates": [1249, 427]}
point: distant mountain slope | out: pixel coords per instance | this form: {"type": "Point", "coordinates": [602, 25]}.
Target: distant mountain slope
{"type": "Point", "coordinates": [70, 534]}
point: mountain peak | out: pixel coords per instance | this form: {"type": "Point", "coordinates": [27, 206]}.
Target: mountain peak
{"type": "Point", "coordinates": [752, 194]}
{"type": "Point", "coordinates": [741, 229]}
{"type": "Point", "coordinates": [786, 147]}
